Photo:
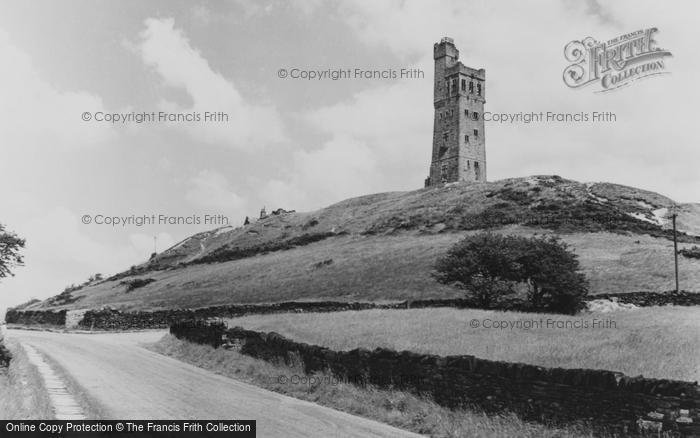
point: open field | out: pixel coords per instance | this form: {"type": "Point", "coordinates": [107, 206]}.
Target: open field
{"type": "Point", "coordinates": [379, 268]}
{"type": "Point", "coordinates": [22, 392]}
{"type": "Point", "coordinates": [396, 408]}
{"type": "Point", "coordinates": [660, 342]}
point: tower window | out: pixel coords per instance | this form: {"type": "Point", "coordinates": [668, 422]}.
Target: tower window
{"type": "Point", "coordinates": [476, 133]}
{"type": "Point", "coordinates": [466, 112]}
{"type": "Point", "coordinates": [477, 171]}
{"type": "Point", "coordinates": [471, 86]}
{"type": "Point", "coordinates": [464, 85]}
{"type": "Point", "coordinates": [478, 89]}
{"type": "Point", "coordinates": [454, 85]}
{"type": "Point", "coordinates": [466, 139]}
{"type": "Point", "coordinates": [468, 165]}
{"type": "Point", "coordinates": [475, 115]}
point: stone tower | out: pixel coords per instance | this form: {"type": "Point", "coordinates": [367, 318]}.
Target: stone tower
{"type": "Point", "coordinates": [459, 146]}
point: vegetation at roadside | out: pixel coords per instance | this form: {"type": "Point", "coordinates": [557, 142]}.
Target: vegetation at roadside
{"type": "Point", "coordinates": [659, 342]}
{"type": "Point", "coordinates": [22, 392]}
{"type": "Point", "coordinates": [396, 408]}
{"type": "Point", "coordinates": [10, 257]}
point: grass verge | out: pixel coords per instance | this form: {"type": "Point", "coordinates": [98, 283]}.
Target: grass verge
{"type": "Point", "coordinates": [22, 392]}
{"type": "Point", "coordinates": [397, 408]}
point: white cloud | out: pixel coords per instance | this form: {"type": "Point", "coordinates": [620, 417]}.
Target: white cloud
{"type": "Point", "coordinates": [33, 112]}
{"type": "Point", "coordinates": [393, 124]}
{"type": "Point", "coordinates": [59, 252]}
{"type": "Point", "coordinates": [523, 60]}
{"type": "Point", "coordinates": [211, 190]}
{"type": "Point", "coordinates": [166, 48]}
{"type": "Point", "coordinates": [342, 168]}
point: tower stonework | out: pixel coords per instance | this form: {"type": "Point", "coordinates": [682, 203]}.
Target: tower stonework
{"type": "Point", "coordinates": [459, 143]}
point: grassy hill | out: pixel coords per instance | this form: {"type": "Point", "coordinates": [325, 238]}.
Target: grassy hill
{"type": "Point", "coordinates": [382, 247]}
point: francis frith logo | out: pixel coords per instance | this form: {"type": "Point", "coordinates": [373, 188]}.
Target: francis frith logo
{"type": "Point", "coordinates": [614, 63]}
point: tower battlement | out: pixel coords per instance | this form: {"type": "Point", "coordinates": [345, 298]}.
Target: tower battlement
{"type": "Point", "coordinates": [459, 146]}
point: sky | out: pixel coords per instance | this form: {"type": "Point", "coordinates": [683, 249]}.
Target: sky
{"type": "Point", "coordinates": [295, 143]}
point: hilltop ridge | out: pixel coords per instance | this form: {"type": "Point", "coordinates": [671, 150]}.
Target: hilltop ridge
{"type": "Point", "coordinates": [382, 246]}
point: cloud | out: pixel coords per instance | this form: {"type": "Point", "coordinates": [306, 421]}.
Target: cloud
{"type": "Point", "coordinates": [34, 113]}
{"type": "Point", "coordinates": [168, 51]}
{"type": "Point", "coordinates": [342, 168]}
{"type": "Point", "coordinates": [393, 124]}
{"type": "Point", "coordinates": [59, 251]}
{"type": "Point", "coordinates": [211, 190]}
{"type": "Point", "coordinates": [523, 60]}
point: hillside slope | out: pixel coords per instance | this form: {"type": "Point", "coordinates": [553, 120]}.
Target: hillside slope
{"type": "Point", "coordinates": [382, 247]}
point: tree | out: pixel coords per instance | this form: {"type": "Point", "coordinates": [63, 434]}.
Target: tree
{"type": "Point", "coordinates": [483, 265]}
{"type": "Point", "coordinates": [552, 274]}
{"type": "Point", "coordinates": [489, 266]}
{"type": "Point", "coordinates": [10, 245]}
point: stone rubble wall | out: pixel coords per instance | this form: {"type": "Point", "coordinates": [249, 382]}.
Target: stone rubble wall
{"type": "Point", "coordinates": [611, 401]}
{"type": "Point", "coordinates": [110, 319]}
{"type": "Point", "coordinates": [36, 317]}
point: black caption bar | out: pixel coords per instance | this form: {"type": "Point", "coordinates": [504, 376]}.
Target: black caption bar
{"type": "Point", "coordinates": [127, 428]}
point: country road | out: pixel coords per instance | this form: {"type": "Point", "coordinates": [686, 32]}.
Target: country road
{"type": "Point", "coordinates": [131, 382]}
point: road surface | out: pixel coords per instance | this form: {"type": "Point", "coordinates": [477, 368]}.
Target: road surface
{"type": "Point", "coordinates": [131, 382]}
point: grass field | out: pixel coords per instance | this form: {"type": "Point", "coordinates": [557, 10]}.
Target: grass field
{"type": "Point", "coordinates": [22, 392]}
{"type": "Point", "coordinates": [380, 268]}
{"type": "Point", "coordinates": [396, 408]}
{"type": "Point", "coordinates": [660, 342]}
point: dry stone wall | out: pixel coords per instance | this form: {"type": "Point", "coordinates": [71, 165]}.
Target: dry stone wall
{"type": "Point", "coordinates": [609, 400]}
{"type": "Point", "coordinates": [110, 319]}
{"type": "Point", "coordinates": [647, 299]}
{"type": "Point", "coordinates": [36, 317]}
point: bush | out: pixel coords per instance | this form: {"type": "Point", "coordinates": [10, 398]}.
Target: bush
{"type": "Point", "coordinates": [5, 355]}
{"type": "Point", "coordinates": [692, 253]}
{"type": "Point", "coordinates": [136, 283]}
{"type": "Point", "coordinates": [490, 267]}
